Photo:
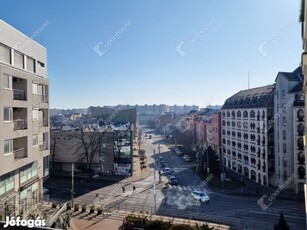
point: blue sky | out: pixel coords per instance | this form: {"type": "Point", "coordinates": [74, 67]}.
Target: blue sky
{"type": "Point", "coordinates": [226, 40]}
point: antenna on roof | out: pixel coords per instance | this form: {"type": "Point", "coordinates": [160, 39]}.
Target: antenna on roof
{"type": "Point", "coordinates": [248, 82]}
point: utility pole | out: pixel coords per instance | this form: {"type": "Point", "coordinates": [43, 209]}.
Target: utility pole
{"type": "Point", "coordinates": [197, 154]}
{"type": "Point", "coordinates": [159, 169]}
{"type": "Point", "coordinates": [72, 184]}
{"type": "Point", "coordinates": [207, 162]}
{"type": "Point", "coordinates": [155, 195]}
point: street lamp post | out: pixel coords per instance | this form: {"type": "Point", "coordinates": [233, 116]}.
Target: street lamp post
{"type": "Point", "coordinates": [72, 184]}
{"type": "Point", "coordinates": [207, 162]}
{"type": "Point", "coordinates": [155, 159]}
{"type": "Point", "coordinates": [155, 195]}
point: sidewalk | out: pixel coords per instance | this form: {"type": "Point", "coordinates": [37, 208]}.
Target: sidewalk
{"type": "Point", "coordinates": [115, 221]}
{"type": "Point", "coordinates": [252, 188]}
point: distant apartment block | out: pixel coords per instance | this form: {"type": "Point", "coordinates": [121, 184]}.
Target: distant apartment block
{"type": "Point", "coordinates": [24, 121]}
{"type": "Point", "coordinates": [248, 141]}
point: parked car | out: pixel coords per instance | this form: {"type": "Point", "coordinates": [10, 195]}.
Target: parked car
{"type": "Point", "coordinates": [186, 158]}
{"type": "Point", "coordinates": [150, 137]}
{"type": "Point", "coordinates": [167, 172]}
{"type": "Point", "coordinates": [161, 160]}
{"type": "Point", "coordinates": [45, 190]}
{"type": "Point", "coordinates": [201, 196]}
{"type": "Point", "coordinates": [172, 180]}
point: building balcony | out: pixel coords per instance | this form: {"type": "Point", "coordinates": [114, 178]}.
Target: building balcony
{"type": "Point", "coordinates": [19, 95]}
{"type": "Point", "coordinates": [44, 122]}
{"type": "Point", "coordinates": [43, 146]}
{"type": "Point", "coordinates": [20, 153]}
{"type": "Point", "coordinates": [20, 124]}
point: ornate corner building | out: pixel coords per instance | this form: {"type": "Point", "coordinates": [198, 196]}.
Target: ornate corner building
{"type": "Point", "coordinates": [247, 134]}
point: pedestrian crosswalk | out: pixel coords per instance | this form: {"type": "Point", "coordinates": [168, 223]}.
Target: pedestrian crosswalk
{"type": "Point", "coordinates": [186, 188]}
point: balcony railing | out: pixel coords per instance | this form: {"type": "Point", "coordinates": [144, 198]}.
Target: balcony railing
{"type": "Point", "coordinates": [44, 98]}
{"type": "Point", "coordinates": [20, 124]}
{"type": "Point", "coordinates": [20, 95]}
{"type": "Point", "coordinates": [44, 122]}
{"type": "Point", "coordinates": [20, 153]}
{"type": "Point", "coordinates": [43, 146]}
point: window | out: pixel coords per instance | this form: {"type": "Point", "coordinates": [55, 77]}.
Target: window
{"type": "Point", "coordinates": [40, 64]}
{"type": "Point", "coordinates": [34, 88]}
{"type": "Point", "coordinates": [46, 166]}
{"type": "Point", "coordinates": [35, 114]}
{"type": "Point", "coordinates": [252, 114]}
{"type": "Point", "coordinates": [18, 59]}
{"type": "Point", "coordinates": [300, 115]}
{"type": "Point", "coordinates": [245, 114]}
{"type": "Point", "coordinates": [283, 92]}
{"type": "Point", "coordinates": [284, 120]}
{"type": "Point", "coordinates": [5, 54]}
{"type": "Point", "coordinates": [8, 114]}
{"type": "Point", "coordinates": [35, 139]}
{"type": "Point", "coordinates": [7, 183]}
{"type": "Point", "coordinates": [30, 64]}
{"type": "Point", "coordinates": [7, 81]}
{"type": "Point", "coordinates": [8, 146]}
{"type": "Point", "coordinates": [28, 171]}
{"type": "Point", "coordinates": [284, 135]}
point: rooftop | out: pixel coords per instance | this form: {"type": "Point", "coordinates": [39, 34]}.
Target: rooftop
{"type": "Point", "coordinates": [251, 98]}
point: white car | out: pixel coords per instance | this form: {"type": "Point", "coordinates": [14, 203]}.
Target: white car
{"type": "Point", "coordinates": [201, 196]}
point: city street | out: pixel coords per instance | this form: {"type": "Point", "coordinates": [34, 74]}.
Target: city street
{"type": "Point", "coordinates": [237, 207]}
{"type": "Point", "coordinates": [178, 198]}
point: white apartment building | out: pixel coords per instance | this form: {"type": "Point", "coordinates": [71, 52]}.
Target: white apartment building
{"type": "Point", "coordinates": [304, 70]}
{"type": "Point", "coordinates": [247, 136]}
{"type": "Point", "coordinates": [289, 130]}
{"type": "Point", "coordinates": [24, 121]}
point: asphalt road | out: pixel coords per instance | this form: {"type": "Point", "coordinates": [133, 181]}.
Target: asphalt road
{"type": "Point", "coordinates": [244, 208]}
{"type": "Point", "coordinates": [178, 198]}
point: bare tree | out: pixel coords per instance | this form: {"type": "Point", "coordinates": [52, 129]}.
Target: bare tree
{"type": "Point", "coordinates": [54, 147]}
{"type": "Point", "coordinates": [187, 139]}
{"type": "Point", "coordinates": [88, 145]}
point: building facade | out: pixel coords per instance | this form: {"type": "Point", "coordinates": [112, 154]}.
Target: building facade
{"type": "Point", "coordinates": [247, 140]}
{"type": "Point", "coordinates": [24, 120]}
{"type": "Point", "coordinates": [304, 70]}
{"type": "Point", "coordinates": [289, 130]}
{"type": "Point", "coordinates": [64, 151]}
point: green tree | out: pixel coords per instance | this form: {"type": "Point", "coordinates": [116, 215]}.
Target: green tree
{"type": "Point", "coordinates": [282, 224]}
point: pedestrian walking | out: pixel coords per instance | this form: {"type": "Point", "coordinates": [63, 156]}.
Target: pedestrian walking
{"type": "Point", "coordinates": [123, 188]}
{"type": "Point", "coordinates": [134, 189]}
